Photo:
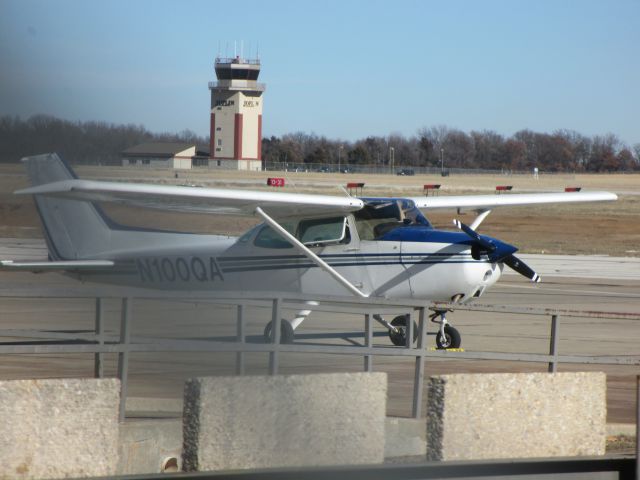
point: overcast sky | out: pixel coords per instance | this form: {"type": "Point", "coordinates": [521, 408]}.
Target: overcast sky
{"type": "Point", "coordinates": [343, 69]}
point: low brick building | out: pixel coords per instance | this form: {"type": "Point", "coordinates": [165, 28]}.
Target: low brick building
{"type": "Point", "coordinates": [168, 155]}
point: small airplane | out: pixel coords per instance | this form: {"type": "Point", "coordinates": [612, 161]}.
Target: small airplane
{"type": "Point", "coordinates": [311, 244]}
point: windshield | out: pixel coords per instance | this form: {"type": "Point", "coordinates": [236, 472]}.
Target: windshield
{"type": "Point", "coordinates": [380, 216]}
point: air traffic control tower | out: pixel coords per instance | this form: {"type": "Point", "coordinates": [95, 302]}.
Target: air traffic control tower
{"type": "Point", "coordinates": [236, 115]}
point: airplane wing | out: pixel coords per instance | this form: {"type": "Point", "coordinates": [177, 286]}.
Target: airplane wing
{"type": "Point", "coordinates": [488, 202]}
{"type": "Point", "coordinates": [195, 199]}
{"type": "Point", "coordinates": [44, 266]}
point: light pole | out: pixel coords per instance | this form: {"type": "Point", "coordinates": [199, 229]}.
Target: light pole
{"type": "Point", "coordinates": [441, 161]}
{"type": "Point", "coordinates": [392, 158]}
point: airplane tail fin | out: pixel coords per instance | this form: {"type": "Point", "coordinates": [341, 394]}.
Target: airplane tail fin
{"type": "Point", "coordinates": [73, 229]}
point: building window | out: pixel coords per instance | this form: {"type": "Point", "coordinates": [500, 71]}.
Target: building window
{"type": "Point", "coordinates": [218, 129]}
{"type": "Point", "coordinates": [219, 142]}
{"type": "Point", "coordinates": [219, 163]}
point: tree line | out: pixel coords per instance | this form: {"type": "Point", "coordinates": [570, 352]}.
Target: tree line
{"type": "Point", "coordinates": [440, 146]}
{"type": "Point", "coordinates": [96, 143]}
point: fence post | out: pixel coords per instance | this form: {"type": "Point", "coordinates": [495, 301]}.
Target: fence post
{"type": "Point", "coordinates": [98, 358]}
{"type": "Point", "coordinates": [123, 356]}
{"type": "Point", "coordinates": [418, 377]}
{"type": "Point", "coordinates": [553, 344]}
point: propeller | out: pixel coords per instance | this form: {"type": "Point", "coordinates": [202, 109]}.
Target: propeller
{"type": "Point", "coordinates": [497, 251]}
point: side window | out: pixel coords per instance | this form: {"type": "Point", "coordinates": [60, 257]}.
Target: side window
{"type": "Point", "coordinates": [325, 230]}
{"type": "Point", "coordinates": [309, 232]}
{"type": "Point", "coordinates": [267, 238]}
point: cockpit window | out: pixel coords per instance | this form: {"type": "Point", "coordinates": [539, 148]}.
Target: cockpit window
{"type": "Point", "coordinates": [268, 238]}
{"type": "Point", "coordinates": [325, 230]}
{"type": "Point", "coordinates": [312, 232]}
{"type": "Point", "coordinates": [379, 217]}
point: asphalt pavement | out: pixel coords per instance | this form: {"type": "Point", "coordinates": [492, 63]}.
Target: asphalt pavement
{"type": "Point", "coordinates": [588, 283]}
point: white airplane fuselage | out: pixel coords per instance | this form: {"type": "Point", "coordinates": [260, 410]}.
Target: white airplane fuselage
{"type": "Point", "coordinates": [440, 269]}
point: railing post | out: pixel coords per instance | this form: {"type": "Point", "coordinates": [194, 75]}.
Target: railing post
{"type": "Point", "coordinates": [418, 376]}
{"type": "Point", "coordinates": [123, 356]}
{"type": "Point", "coordinates": [275, 331]}
{"type": "Point", "coordinates": [98, 358]}
{"type": "Point", "coordinates": [240, 338]}
{"type": "Point", "coordinates": [553, 344]}
{"type": "Point", "coordinates": [637, 426]}
{"type": "Point", "coordinates": [368, 342]}
{"type": "Point", "coordinates": [409, 331]}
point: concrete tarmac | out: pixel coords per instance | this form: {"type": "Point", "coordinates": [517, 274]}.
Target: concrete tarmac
{"type": "Point", "coordinates": [602, 284]}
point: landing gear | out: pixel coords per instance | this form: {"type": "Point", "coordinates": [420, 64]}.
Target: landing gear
{"type": "Point", "coordinates": [398, 334]}
{"type": "Point", "coordinates": [287, 327]}
{"type": "Point", "coordinates": [447, 336]}
{"type": "Point", "coordinates": [450, 338]}
{"type": "Point", "coordinates": [286, 332]}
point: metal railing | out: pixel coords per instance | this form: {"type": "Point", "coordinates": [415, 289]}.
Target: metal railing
{"type": "Point", "coordinates": [123, 344]}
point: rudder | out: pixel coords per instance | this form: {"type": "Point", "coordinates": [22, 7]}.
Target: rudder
{"type": "Point", "coordinates": [73, 229]}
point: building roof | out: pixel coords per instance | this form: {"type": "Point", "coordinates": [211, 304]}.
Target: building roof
{"type": "Point", "coordinates": [203, 150]}
{"type": "Point", "coordinates": [157, 149]}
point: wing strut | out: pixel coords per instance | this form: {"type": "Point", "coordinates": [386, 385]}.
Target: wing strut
{"type": "Point", "coordinates": [482, 214]}
{"type": "Point", "coordinates": [309, 254]}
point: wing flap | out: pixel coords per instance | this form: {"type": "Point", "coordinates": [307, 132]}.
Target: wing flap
{"type": "Point", "coordinates": [510, 200]}
{"type": "Point", "coordinates": [195, 199]}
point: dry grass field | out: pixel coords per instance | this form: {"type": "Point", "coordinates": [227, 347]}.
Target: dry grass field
{"type": "Point", "coordinates": [610, 228]}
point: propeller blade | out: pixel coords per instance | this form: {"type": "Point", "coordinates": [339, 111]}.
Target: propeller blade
{"type": "Point", "coordinates": [486, 245]}
{"type": "Point", "coordinates": [522, 268]}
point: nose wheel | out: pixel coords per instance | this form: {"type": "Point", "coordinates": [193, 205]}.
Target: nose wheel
{"type": "Point", "coordinates": [447, 336]}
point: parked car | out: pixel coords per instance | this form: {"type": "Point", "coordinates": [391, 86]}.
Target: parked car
{"type": "Point", "coordinates": [406, 171]}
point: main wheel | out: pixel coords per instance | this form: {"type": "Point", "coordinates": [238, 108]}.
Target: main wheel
{"type": "Point", "coordinates": [451, 338]}
{"type": "Point", "coordinates": [399, 338]}
{"type": "Point", "coordinates": [286, 332]}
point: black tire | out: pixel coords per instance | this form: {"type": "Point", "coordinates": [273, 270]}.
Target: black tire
{"type": "Point", "coordinates": [286, 332]}
{"type": "Point", "coordinates": [400, 338]}
{"type": "Point", "coordinates": [452, 338]}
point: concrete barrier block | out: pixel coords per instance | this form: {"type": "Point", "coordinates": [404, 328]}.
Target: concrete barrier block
{"type": "Point", "coordinates": [482, 416]}
{"type": "Point", "coordinates": [59, 428]}
{"type": "Point", "coordinates": [284, 420]}
{"type": "Point", "coordinates": [405, 437]}
{"type": "Point", "coordinates": [150, 446]}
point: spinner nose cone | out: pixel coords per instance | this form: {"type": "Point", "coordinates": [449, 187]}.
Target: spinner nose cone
{"type": "Point", "coordinates": [502, 250]}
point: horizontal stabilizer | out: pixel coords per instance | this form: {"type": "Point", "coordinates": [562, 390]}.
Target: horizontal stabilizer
{"type": "Point", "coordinates": [70, 265]}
